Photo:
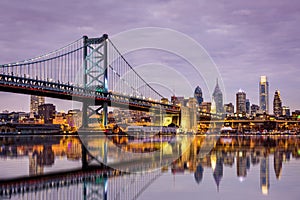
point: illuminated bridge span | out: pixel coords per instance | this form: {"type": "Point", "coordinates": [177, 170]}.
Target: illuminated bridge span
{"type": "Point", "coordinates": [89, 70]}
{"type": "Point", "coordinates": [79, 184]}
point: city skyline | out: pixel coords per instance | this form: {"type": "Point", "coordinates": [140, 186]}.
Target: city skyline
{"type": "Point", "coordinates": [243, 40]}
{"type": "Point", "coordinates": [198, 89]}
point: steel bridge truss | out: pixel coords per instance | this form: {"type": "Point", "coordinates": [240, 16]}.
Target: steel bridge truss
{"type": "Point", "coordinates": [95, 76]}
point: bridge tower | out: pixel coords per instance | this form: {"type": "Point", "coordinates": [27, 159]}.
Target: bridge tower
{"type": "Point", "coordinates": [95, 64]}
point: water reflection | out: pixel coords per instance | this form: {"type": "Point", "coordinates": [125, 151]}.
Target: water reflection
{"type": "Point", "coordinates": [252, 157]}
{"type": "Point", "coordinates": [241, 152]}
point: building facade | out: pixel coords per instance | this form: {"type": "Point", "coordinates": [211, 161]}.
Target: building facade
{"type": "Point", "coordinates": [47, 112]}
{"type": "Point", "coordinates": [254, 109]}
{"type": "Point", "coordinates": [218, 98]}
{"type": "Point", "coordinates": [248, 106]}
{"type": "Point", "coordinates": [277, 104]}
{"type": "Point", "coordinates": [35, 102]}
{"type": "Point", "coordinates": [241, 102]}
{"type": "Point", "coordinates": [286, 111]}
{"type": "Point", "coordinates": [229, 109]}
{"type": "Point", "coordinates": [198, 95]}
{"type": "Point", "coordinates": [264, 94]}
{"type": "Point", "coordinates": [205, 107]}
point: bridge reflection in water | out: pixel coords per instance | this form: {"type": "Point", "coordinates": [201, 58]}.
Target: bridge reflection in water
{"type": "Point", "coordinates": [123, 155]}
{"type": "Point", "coordinates": [97, 181]}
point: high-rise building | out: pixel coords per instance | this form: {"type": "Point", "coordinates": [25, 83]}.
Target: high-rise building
{"type": "Point", "coordinates": [47, 112]}
{"type": "Point", "coordinates": [198, 95]}
{"type": "Point", "coordinates": [218, 98]}
{"type": "Point", "coordinates": [229, 109]}
{"type": "Point", "coordinates": [254, 109]}
{"type": "Point", "coordinates": [277, 104]}
{"type": "Point", "coordinates": [247, 106]}
{"type": "Point", "coordinates": [205, 107]}
{"type": "Point", "coordinates": [35, 102]}
{"type": "Point", "coordinates": [264, 94]}
{"type": "Point", "coordinates": [241, 102]}
{"type": "Point", "coordinates": [286, 111]}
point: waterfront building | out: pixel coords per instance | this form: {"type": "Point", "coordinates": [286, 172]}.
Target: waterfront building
{"type": "Point", "coordinates": [264, 94]}
{"type": "Point", "coordinates": [205, 107]}
{"type": "Point", "coordinates": [189, 110]}
{"type": "Point", "coordinates": [218, 98]}
{"type": "Point", "coordinates": [247, 106]}
{"type": "Point", "coordinates": [229, 109]}
{"type": "Point", "coordinates": [176, 100]}
{"type": "Point", "coordinates": [47, 112]}
{"type": "Point", "coordinates": [241, 102]}
{"type": "Point", "coordinates": [277, 104]}
{"type": "Point", "coordinates": [286, 111]}
{"type": "Point", "coordinates": [213, 109]}
{"type": "Point", "coordinates": [254, 109]}
{"type": "Point", "coordinates": [198, 95]}
{"type": "Point", "coordinates": [35, 102]}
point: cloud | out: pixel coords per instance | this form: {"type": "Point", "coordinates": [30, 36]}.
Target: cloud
{"type": "Point", "coordinates": [251, 37]}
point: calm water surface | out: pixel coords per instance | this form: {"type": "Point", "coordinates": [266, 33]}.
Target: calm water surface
{"type": "Point", "coordinates": [52, 167]}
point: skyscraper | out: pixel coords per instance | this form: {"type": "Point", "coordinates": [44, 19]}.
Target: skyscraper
{"type": "Point", "coordinates": [277, 104]}
{"type": "Point", "coordinates": [198, 95]}
{"type": "Point", "coordinates": [247, 106]}
{"type": "Point", "coordinates": [218, 98]}
{"type": "Point", "coordinates": [264, 94]}
{"type": "Point", "coordinates": [35, 102]}
{"type": "Point", "coordinates": [241, 102]}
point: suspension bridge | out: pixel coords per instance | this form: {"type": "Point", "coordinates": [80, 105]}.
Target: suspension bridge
{"type": "Point", "coordinates": [89, 70]}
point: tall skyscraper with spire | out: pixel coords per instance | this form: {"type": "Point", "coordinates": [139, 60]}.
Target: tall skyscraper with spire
{"type": "Point", "coordinates": [277, 104]}
{"type": "Point", "coordinates": [198, 95]}
{"type": "Point", "coordinates": [218, 98]}
{"type": "Point", "coordinates": [264, 94]}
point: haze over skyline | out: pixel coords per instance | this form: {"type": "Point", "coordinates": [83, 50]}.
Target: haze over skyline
{"type": "Point", "coordinates": [244, 39]}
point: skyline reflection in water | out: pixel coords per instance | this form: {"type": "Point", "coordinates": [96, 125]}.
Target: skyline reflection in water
{"type": "Point", "coordinates": [249, 167]}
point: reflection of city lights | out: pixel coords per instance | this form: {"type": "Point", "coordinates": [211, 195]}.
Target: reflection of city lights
{"type": "Point", "coordinates": [241, 179]}
{"type": "Point", "coordinates": [240, 154]}
{"type": "Point", "coordinates": [213, 160]}
{"type": "Point", "coordinates": [265, 190]}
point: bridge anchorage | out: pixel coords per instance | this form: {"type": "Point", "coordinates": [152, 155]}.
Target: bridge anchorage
{"type": "Point", "coordinates": [91, 71]}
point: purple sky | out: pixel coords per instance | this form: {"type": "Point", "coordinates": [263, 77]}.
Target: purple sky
{"type": "Point", "coordinates": [246, 39]}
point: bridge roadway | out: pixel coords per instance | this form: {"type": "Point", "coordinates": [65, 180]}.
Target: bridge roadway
{"type": "Point", "coordinates": [22, 85]}
{"type": "Point", "coordinates": [247, 121]}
